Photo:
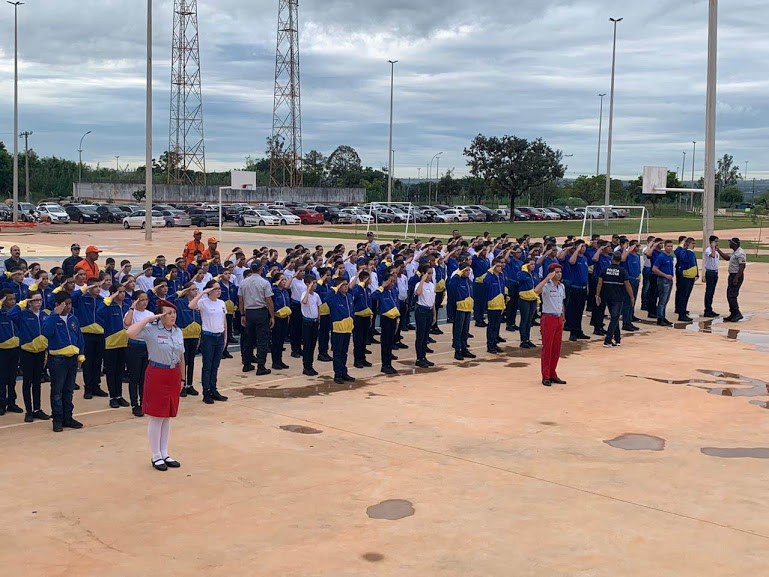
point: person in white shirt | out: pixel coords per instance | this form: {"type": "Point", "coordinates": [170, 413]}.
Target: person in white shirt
{"type": "Point", "coordinates": [146, 281]}
{"type": "Point", "coordinates": [213, 314]}
{"type": "Point", "coordinates": [310, 304]}
{"type": "Point", "coordinates": [424, 314]}
{"type": "Point", "coordinates": [710, 264]}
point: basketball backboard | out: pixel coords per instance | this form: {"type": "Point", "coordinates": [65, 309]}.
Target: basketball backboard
{"type": "Point", "coordinates": [655, 177]}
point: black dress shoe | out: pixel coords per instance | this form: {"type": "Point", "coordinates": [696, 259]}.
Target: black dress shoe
{"type": "Point", "coordinates": [137, 412]}
{"type": "Point", "coordinates": [57, 427]}
{"type": "Point", "coordinates": [547, 382]}
{"type": "Point", "coordinates": [430, 340]}
{"type": "Point", "coordinates": [348, 379]}
{"type": "Point", "coordinates": [172, 463]}
{"type": "Point", "coordinates": [535, 324]}
{"type": "Point", "coordinates": [28, 418]}
{"type": "Point", "coordinates": [191, 391]}
{"type": "Point", "coordinates": [98, 392]}
{"type": "Point", "coordinates": [583, 337]}
{"type": "Point", "coordinates": [208, 400]}
{"type": "Point", "coordinates": [113, 404]}
{"type": "Point", "coordinates": [501, 340]}
{"type": "Point", "coordinates": [430, 363]}
{"type": "Point", "coordinates": [493, 351]}
{"type": "Point", "coordinates": [410, 327]}
{"type": "Point", "coordinates": [710, 314]}
{"type": "Point", "coordinates": [393, 357]}
{"type": "Point", "coordinates": [14, 409]}
{"type": "Point", "coordinates": [365, 363]}
{"type": "Point", "coordinates": [459, 356]}
{"type": "Point", "coordinates": [367, 352]}
{"type": "Point", "coordinates": [401, 346]}
{"type": "Point", "coordinates": [2, 411]}
{"type": "Point", "coordinates": [72, 424]}
{"type": "Point", "coordinates": [122, 402]}
{"type": "Point", "coordinates": [435, 331]}
{"type": "Point", "coordinates": [183, 392]}
{"type": "Point", "coordinates": [558, 381]}
{"type": "Point", "coordinates": [263, 371]}
{"type": "Point", "coordinates": [227, 355]}
{"type": "Point", "coordinates": [358, 365]}
{"type": "Point", "coordinates": [662, 322]}
{"type": "Point", "coordinates": [339, 380]}
{"type": "Point", "coordinates": [296, 355]}
{"type": "Point", "coordinates": [45, 377]}
{"type": "Point", "coordinates": [324, 358]}
{"type": "Point", "coordinates": [422, 364]}
{"type": "Point", "coordinates": [377, 332]}
{"type": "Point", "coordinates": [429, 350]}
{"type": "Point", "coordinates": [531, 345]}
{"type": "Point", "coordinates": [636, 319]}
{"type": "Point", "coordinates": [76, 387]}
{"type": "Point", "coordinates": [685, 319]}
{"type": "Point", "coordinates": [469, 355]}
{"type": "Point", "coordinates": [599, 332]}
{"type": "Point", "coordinates": [737, 318]}
{"type": "Point", "coordinates": [511, 328]}
{"type": "Point", "coordinates": [248, 368]}
{"type": "Point", "coordinates": [573, 338]}
{"type": "Point", "coordinates": [87, 396]}
{"type": "Point", "coordinates": [389, 371]}
{"type": "Point", "coordinates": [629, 328]}
{"type": "Point", "coordinates": [310, 372]}
{"type": "Point", "coordinates": [481, 324]}
{"type": "Point", "coordinates": [40, 415]}
{"type": "Point", "coordinates": [218, 397]}
{"type": "Point", "coordinates": [373, 342]}
{"type": "Point", "coordinates": [160, 465]}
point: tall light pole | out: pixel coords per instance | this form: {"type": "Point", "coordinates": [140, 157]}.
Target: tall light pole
{"type": "Point", "coordinates": [437, 176]}
{"type": "Point", "coordinates": [148, 156]}
{"type": "Point", "coordinates": [25, 135]}
{"type": "Point", "coordinates": [117, 163]}
{"type": "Point", "coordinates": [709, 197]}
{"type": "Point", "coordinates": [694, 153]}
{"type": "Point", "coordinates": [607, 198]}
{"type": "Point", "coordinates": [15, 108]}
{"type": "Point", "coordinates": [419, 173]}
{"type": "Point", "coordinates": [683, 168]}
{"type": "Point", "coordinates": [429, 172]}
{"type": "Point", "coordinates": [745, 176]}
{"type": "Point", "coordinates": [390, 149]}
{"type": "Point", "coordinates": [600, 130]}
{"type": "Point", "coordinates": [80, 163]}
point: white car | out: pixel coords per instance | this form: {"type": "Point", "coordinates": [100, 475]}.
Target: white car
{"type": "Point", "coordinates": [285, 216]}
{"type": "Point", "coordinates": [138, 219]}
{"type": "Point", "coordinates": [550, 215]}
{"type": "Point", "coordinates": [53, 213]}
{"type": "Point", "coordinates": [259, 217]}
{"type": "Point", "coordinates": [354, 216]}
{"type": "Point", "coordinates": [452, 215]}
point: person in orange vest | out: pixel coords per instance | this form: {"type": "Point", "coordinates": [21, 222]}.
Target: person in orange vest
{"type": "Point", "coordinates": [88, 264]}
{"type": "Point", "coordinates": [192, 246]}
{"type": "Point", "coordinates": [211, 251]}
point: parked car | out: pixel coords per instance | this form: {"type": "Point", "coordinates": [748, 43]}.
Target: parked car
{"type": "Point", "coordinates": [354, 216]}
{"type": "Point", "coordinates": [532, 213]}
{"type": "Point", "coordinates": [83, 213]}
{"type": "Point", "coordinates": [6, 214]}
{"type": "Point", "coordinates": [520, 215]}
{"type": "Point", "coordinates": [53, 213]}
{"type": "Point", "coordinates": [111, 213]}
{"type": "Point", "coordinates": [176, 218]}
{"type": "Point", "coordinates": [490, 215]}
{"type": "Point", "coordinates": [162, 206]}
{"type": "Point", "coordinates": [562, 214]}
{"type": "Point", "coordinates": [503, 213]}
{"type": "Point", "coordinates": [259, 217]}
{"type": "Point", "coordinates": [138, 219]}
{"type": "Point", "coordinates": [474, 215]}
{"type": "Point", "coordinates": [330, 213]}
{"type": "Point", "coordinates": [285, 216]}
{"type": "Point", "coordinates": [201, 217]}
{"type": "Point", "coordinates": [28, 212]}
{"type": "Point", "coordinates": [745, 206]}
{"type": "Point", "coordinates": [308, 216]}
{"type": "Point", "coordinates": [592, 213]}
{"type": "Point", "coordinates": [452, 215]}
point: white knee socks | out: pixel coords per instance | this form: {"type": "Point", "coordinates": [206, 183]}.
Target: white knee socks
{"type": "Point", "coordinates": [158, 430]}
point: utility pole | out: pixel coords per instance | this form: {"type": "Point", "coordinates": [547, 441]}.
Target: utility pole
{"type": "Point", "coordinates": [708, 197]}
{"type": "Point", "coordinates": [600, 130]}
{"type": "Point", "coordinates": [390, 148]}
{"type": "Point", "coordinates": [607, 198]}
{"type": "Point", "coordinates": [683, 168]}
{"type": "Point", "coordinates": [694, 153]}
{"type": "Point", "coordinates": [117, 163]}
{"type": "Point", "coordinates": [25, 135]}
{"type": "Point", "coordinates": [15, 108]}
{"type": "Point", "coordinates": [148, 137]}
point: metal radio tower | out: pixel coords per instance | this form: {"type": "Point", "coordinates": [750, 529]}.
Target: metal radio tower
{"type": "Point", "coordinates": [286, 144]}
{"type": "Point", "coordinates": [186, 150]}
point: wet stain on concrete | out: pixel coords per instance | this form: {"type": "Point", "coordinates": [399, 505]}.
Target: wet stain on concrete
{"type": "Point", "coordinates": [730, 384]}
{"type": "Point", "coordinates": [301, 430]}
{"type": "Point", "coordinates": [636, 442]}
{"type": "Point", "coordinates": [326, 386]}
{"type": "Point", "coordinates": [759, 339]}
{"type": "Point", "coordinates": [515, 365]}
{"type": "Point", "coordinates": [548, 423]}
{"type": "Point", "coordinates": [392, 510]}
{"type": "Point", "coordinates": [373, 557]}
{"type": "Point", "coordinates": [736, 452]}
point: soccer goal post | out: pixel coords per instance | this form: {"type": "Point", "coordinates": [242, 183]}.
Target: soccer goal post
{"type": "Point", "coordinates": [392, 212]}
{"type": "Point", "coordinates": [622, 220]}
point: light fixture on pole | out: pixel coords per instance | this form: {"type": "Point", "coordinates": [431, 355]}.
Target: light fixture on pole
{"type": "Point", "coordinates": [436, 172]}
{"type": "Point", "coordinates": [607, 198]}
{"type": "Point", "coordinates": [15, 108]}
{"type": "Point", "coordinates": [600, 130]}
{"type": "Point", "coordinates": [80, 163]}
{"type": "Point", "coordinates": [25, 135]}
{"type": "Point", "coordinates": [390, 148]}
{"type": "Point", "coordinates": [148, 143]}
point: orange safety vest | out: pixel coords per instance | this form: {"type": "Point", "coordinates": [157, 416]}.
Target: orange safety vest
{"type": "Point", "coordinates": [189, 251]}
{"type": "Point", "coordinates": [91, 269]}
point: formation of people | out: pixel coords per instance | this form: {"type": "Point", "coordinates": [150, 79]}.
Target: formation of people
{"type": "Point", "coordinates": [149, 323]}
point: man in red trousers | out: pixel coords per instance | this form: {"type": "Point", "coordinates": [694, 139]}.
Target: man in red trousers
{"type": "Point", "coordinates": [553, 294]}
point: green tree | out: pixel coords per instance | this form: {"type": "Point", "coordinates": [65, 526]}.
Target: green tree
{"type": "Point", "coordinates": [732, 196]}
{"type": "Point", "coordinates": [448, 187]}
{"type": "Point", "coordinates": [6, 171]}
{"type": "Point", "coordinates": [592, 189]}
{"type": "Point", "coordinates": [511, 166]}
{"type": "Point", "coordinates": [727, 174]}
{"type": "Point", "coordinates": [344, 166]}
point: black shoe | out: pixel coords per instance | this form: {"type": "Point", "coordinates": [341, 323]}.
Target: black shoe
{"type": "Point", "coordinates": [573, 338]}
{"type": "Point", "coordinates": [339, 380]}
{"type": "Point", "coordinates": [40, 415]}
{"type": "Point", "coordinates": [511, 328]}
{"type": "Point", "coordinates": [401, 346]}
{"type": "Point", "coordinates": [662, 322]}
{"type": "Point", "coordinates": [685, 319]}
{"type": "Point", "coordinates": [410, 327]}
{"type": "Point", "coordinates": [583, 337]}
{"type": "Point", "coordinates": [422, 364]}
{"type": "Point", "coordinates": [430, 340]}
{"type": "Point", "coordinates": [493, 351]}
{"type": "Point", "coordinates": [430, 363]}
{"type": "Point", "coordinates": [208, 400]}
{"type": "Point", "coordinates": [365, 363]}
{"type": "Point", "coordinates": [531, 345]}
{"type": "Point", "coordinates": [248, 368]}
{"type": "Point", "coordinates": [192, 392]}
{"type": "Point", "coordinates": [98, 392]}
{"type": "Point", "coordinates": [76, 387]}
{"type": "Point", "coordinates": [535, 324]}
{"type": "Point", "coordinates": [28, 418]}
{"type": "Point", "coordinates": [429, 350]}
{"type": "Point", "coordinates": [57, 427]}
{"type": "Point", "coordinates": [227, 355]}
{"type": "Point", "coordinates": [630, 328]}
{"type": "Point", "coordinates": [737, 318]}
{"type": "Point", "coordinates": [358, 365]}
{"type": "Point", "coordinates": [636, 319]}
{"type": "Point", "coordinates": [324, 358]}
{"type": "Point", "coordinates": [348, 378]}
{"type": "Point", "coordinates": [113, 404]}
{"type": "Point", "coordinates": [481, 324]}
{"type": "Point", "coordinates": [14, 409]}
{"type": "Point", "coordinates": [262, 370]}
{"type": "Point", "coordinates": [497, 350]}
{"type": "Point", "coordinates": [710, 314]}
{"type": "Point", "coordinates": [376, 332]}
{"type": "Point", "coordinates": [277, 366]}
{"type": "Point", "coordinates": [459, 356]}
{"type": "Point", "coordinates": [367, 352]}
{"type": "Point", "coordinates": [373, 342]}
{"type": "Point", "coordinates": [393, 357]}
{"type": "Point", "coordinates": [46, 377]}
{"type": "Point", "coordinates": [599, 332]}
{"type": "Point", "coordinates": [160, 465]}
{"type": "Point", "coordinates": [436, 331]}
{"type": "Point", "coordinates": [137, 411]}
{"type": "Point", "coordinates": [183, 392]}
{"type": "Point", "coordinates": [469, 355]}
{"type": "Point", "coordinates": [668, 323]}
{"type": "Point", "coordinates": [218, 397]}
{"type": "Point", "coordinates": [172, 463]}
{"type": "Point", "coordinates": [558, 381]}
{"type": "Point", "coordinates": [296, 355]}
{"type": "Point", "coordinates": [310, 372]}
{"type": "Point", "coordinates": [470, 336]}
{"type": "Point", "coordinates": [501, 340]}
{"type": "Point", "coordinates": [547, 382]}
{"type": "Point", "coordinates": [389, 371]}
{"type": "Point", "coordinates": [651, 316]}
{"type": "Point", "coordinates": [72, 424]}
{"type": "Point", "coordinates": [122, 402]}
{"type": "Point", "coordinates": [87, 396]}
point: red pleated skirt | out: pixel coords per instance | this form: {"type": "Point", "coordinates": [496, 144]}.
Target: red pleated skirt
{"type": "Point", "coordinates": [161, 392]}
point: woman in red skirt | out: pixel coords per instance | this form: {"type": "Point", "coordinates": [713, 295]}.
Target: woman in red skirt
{"type": "Point", "coordinates": [163, 379]}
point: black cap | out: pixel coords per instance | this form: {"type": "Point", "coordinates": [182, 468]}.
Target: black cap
{"type": "Point", "coordinates": [256, 266]}
{"type": "Point", "coordinates": [735, 240]}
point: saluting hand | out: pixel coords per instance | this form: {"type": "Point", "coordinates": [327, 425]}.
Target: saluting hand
{"type": "Point", "coordinates": [58, 309]}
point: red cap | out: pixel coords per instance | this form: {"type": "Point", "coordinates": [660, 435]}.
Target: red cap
{"type": "Point", "coordinates": [555, 266]}
{"type": "Point", "coordinates": [91, 248]}
{"type": "Point", "coordinates": [164, 303]}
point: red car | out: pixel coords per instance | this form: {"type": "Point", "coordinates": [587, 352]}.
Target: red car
{"type": "Point", "coordinates": [308, 216]}
{"type": "Point", "coordinates": [531, 213]}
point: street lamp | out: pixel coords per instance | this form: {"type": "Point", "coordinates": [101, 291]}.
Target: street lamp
{"type": "Point", "coordinates": [117, 163]}
{"type": "Point", "coordinates": [745, 177]}
{"type": "Point", "coordinates": [80, 165]}
{"type": "Point", "coordinates": [600, 129]}
{"type": "Point", "coordinates": [25, 135]}
{"type": "Point", "coordinates": [709, 197]}
{"type": "Point", "coordinates": [390, 148]}
{"type": "Point", "coordinates": [428, 176]}
{"type": "Point", "coordinates": [15, 108]}
{"type": "Point", "coordinates": [694, 153]}
{"type": "Point", "coordinates": [683, 168]}
{"type": "Point", "coordinates": [611, 122]}
{"type": "Point", "coordinates": [148, 144]}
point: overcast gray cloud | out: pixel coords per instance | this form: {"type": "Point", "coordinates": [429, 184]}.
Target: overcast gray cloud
{"type": "Point", "coordinates": [529, 68]}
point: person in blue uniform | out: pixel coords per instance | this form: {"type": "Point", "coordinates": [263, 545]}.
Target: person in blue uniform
{"type": "Point", "coordinates": [460, 289]}
{"type": "Point", "coordinates": [480, 266]}
{"type": "Point", "coordinates": [9, 354]}
{"type": "Point", "coordinates": [578, 267]}
{"type": "Point", "coordinates": [29, 317]}
{"type": "Point", "coordinates": [601, 260]}
{"type": "Point", "coordinates": [341, 310]}
{"type": "Point", "coordinates": [282, 300]}
{"type": "Point", "coordinates": [324, 325]}
{"type": "Point", "coordinates": [362, 304]}
{"type": "Point", "coordinates": [687, 272]}
{"type": "Point", "coordinates": [631, 262]}
{"type": "Point", "coordinates": [85, 303]}
{"type": "Point", "coordinates": [496, 291]}
{"type": "Point", "coordinates": [190, 323]}
{"type": "Point", "coordinates": [664, 270]}
{"type": "Point", "coordinates": [389, 315]}
{"type": "Point", "coordinates": [527, 302]}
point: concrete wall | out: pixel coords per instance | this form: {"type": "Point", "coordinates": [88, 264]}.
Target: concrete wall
{"type": "Point", "coordinates": [123, 192]}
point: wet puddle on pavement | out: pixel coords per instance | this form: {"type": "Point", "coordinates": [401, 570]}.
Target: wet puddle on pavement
{"type": "Point", "coordinates": [637, 442]}
{"type": "Point", "coordinates": [301, 430]}
{"type": "Point", "coordinates": [736, 452]}
{"type": "Point", "coordinates": [732, 331]}
{"type": "Point", "coordinates": [392, 510]}
{"type": "Point", "coordinates": [728, 384]}
{"type": "Point", "coordinates": [372, 557]}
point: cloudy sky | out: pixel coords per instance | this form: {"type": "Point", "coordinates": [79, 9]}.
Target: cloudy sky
{"type": "Point", "coordinates": [530, 68]}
